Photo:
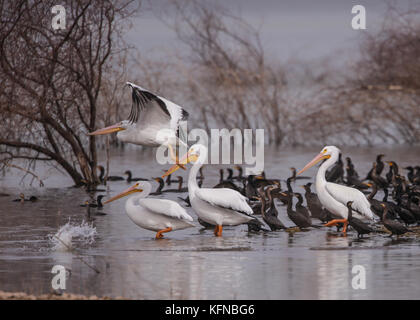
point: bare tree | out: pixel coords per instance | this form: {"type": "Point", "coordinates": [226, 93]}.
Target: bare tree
{"type": "Point", "coordinates": [228, 78]}
{"type": "Point", "coordinates": [378, 100]}
{"type": "Point", "coordinates": [51, 80]}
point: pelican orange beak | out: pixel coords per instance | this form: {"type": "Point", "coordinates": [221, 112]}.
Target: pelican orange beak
{"type": "Point", "coordinates": [314, 161]}
{"type": "Point", "coordinates": [114, 128]}
{"type": "Point", "coordinates": [187, 158]}
{"type": "Point", "coordinates": [130, 190]}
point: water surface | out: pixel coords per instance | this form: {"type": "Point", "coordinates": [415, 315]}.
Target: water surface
{"type": "Point", "coordinates": [192, 263]}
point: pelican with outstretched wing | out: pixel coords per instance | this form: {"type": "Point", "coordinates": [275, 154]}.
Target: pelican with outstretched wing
{"type": "Point", "coordinates": [217, 207]}
{"type": "Point", "coordinates": [334, 197]}
{"type": "Point", "coordinates": [153, 121]}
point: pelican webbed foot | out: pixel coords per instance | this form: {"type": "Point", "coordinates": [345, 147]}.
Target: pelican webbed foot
{"type": "Point", "coordinates": [218, 231]}
{"type": "Point", "coordinates": [335, 222]}
{"type": "Point", "coordinates": [159, 234]}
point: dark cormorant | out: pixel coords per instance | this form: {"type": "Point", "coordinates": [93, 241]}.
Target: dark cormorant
{"type": "Point", "coordinates": [391, 225]}
{"type": "Point", "coordinates": [379, 167]}
{"type": "Point", "coordinates": [268, 210]}
{"type": "Point", "coordinates": [357, 224]}
{"type": "Point", "coordinates": [131, 179]}
{"type": "Point", "coordinates": [97, 204]}
{"type": "Point", "coordinates": [299, 219]}
{"type": "Point", "coordinates": [337, 172]}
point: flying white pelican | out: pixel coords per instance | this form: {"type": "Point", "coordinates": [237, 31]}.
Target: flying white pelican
{"type": "Point", "coordinates": [218, 207]}
{"type": "Point", "coordinates": [334, 197]}
{"type": "Point", "coordinates": [153, 121]}
{"type": "Point", "coordinates": [158, 215]}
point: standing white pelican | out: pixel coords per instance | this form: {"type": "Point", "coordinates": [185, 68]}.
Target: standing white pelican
{"type": "Point", "coordinates": [158, 215]}
{"type": "Point", "coordinates": [153, 121]}
{"type": "Point", "coordinates": [218, 207]}
{"type": "Point", "coordinates": [334, 197]}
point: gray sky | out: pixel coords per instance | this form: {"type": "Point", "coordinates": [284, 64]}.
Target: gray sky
{"type": "Point", "coordinates": [306, 29]}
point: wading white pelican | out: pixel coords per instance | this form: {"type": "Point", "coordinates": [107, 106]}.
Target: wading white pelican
{"type": "Point", "coordinates": [218, 207]}
{"type": "Point", "coordinates": [153, 121]}
{"type": "Point", "coordinates": [158, 215]}
{"type": "Point", "coordinates": [334, 197]}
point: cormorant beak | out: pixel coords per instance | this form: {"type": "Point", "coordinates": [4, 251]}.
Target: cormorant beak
{"type": "Point", "coordinates": [259, 177]}
{"type": "Point", "coordinates": [314, 161]}
{"type": "Point", "coordinates": [114, 128]}
{"type": "Point", "coordinates": [185, 159]}
{"type": "Point", "coordinates": [130, 190]}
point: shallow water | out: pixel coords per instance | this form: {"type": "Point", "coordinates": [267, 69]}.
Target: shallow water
{"type": "Point", "coordinates": [192, 263]}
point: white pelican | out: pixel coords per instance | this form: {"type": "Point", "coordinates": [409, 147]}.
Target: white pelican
{"type": "Point", "coordinates": [334, 197]}
{"type": "Point", "coordinates": [218, 207]}
{"type": "Point", "coordinates": [158, 215]}
{"type": "Point", "coordinates": [153, 121]}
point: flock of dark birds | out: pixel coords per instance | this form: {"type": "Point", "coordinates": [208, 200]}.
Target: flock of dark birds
{"type": "Point", "coordinates": [398, 209]}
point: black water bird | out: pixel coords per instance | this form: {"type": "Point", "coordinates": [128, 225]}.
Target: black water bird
{"type": "Point", "coordinates": [97, 204]}
{"type": "Point", "coordinates": [240, 176]}
{"type": "Point", "coordinates": [161, 185]}
{"type": "Point", "coordinates": [131, 179]}
{"type": "Point", "coordinates": [380, 182]}
{"type": "Point", "coordinates": [353, 180]}
{"type": "Point", "coordinates": [312, 200]}
{"type": "Point", "coordinates": [357, 224]}
{"type": "Point", "coordinates": [350, 168]}
{"type": "Point", "coordinates": [337, 171]}
{"type": "Point", "coordinates": [375, 205]}
{"type": "Point", "coordinates": [180, 181]}
{"type": "Point", "coordinates": [23, 199]}
{"type": "Point", "coordinates": [294, 177]}
{"type": "Point", "coordinates": [392, 225]}
{"type": "Point", "coordinates": [109, 178]}
{"type": "Point", "coordinates": [410, 174]}
{"type": "Point", "coordinates": [300, 208]}
{"type": "Point", "coordinates": [393, 170]}
{"type": "Point", "coordinates": [227, 183]}
{"type": "Point", "coordinates": [268, 210]}
{"type": "Point", "coordinates": [299, 219]}
{"type": "Point", "coordinates": [378, 168]}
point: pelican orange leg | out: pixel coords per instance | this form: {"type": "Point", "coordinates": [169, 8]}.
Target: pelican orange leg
{"type": "Point", "coordinates": [175, 158]}
{"type": "Point", "coordinates": [218, 231]}
{"type": "Point", "coordinates": [336, 222]}
{"type": "Point", "coordinates": [159, 234]}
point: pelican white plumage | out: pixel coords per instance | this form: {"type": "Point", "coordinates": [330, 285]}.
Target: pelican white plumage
{"type": "Point", "coordinates": [158, 215]}
{"type": "Point", "coordinates": [334, 197]}
{"type": "Point", "coordinates": [218, 207]}
{"type": "Point", "coordinates": [153, 121]}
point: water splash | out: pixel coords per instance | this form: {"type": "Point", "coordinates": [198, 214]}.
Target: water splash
{"type": "Point", "coordinates": [63, 239]}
